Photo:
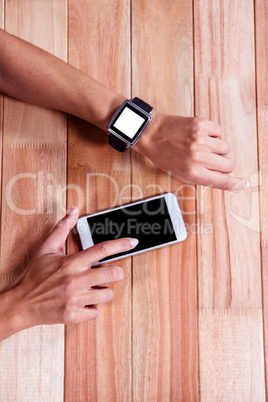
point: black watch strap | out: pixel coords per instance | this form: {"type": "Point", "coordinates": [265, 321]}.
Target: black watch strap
{"type": "Point", "coordinates": [117, 144]}
{"type": "Point", "coordinates": [143, 105]}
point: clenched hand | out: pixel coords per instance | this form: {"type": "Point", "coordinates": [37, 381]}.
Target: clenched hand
{"type": "Point", "coordinates": [191, 149]}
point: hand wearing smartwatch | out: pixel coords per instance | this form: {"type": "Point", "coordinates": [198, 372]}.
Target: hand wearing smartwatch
{"type": "Point", "coordinates": [190, 148]}
{"type": "Point", "coordinates": [128, 123]}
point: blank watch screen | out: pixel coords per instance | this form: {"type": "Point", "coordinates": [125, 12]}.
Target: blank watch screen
{"type": "Point", "coordinates": [148, 221]}
{"type": "Point", "coordinates": [129, 122]}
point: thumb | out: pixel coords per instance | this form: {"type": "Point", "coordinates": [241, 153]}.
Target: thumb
{"type": "Point", "coordinates": [233, 184]}
{"type": "Point", "coordinates": [223, 181]}
{"type": "Point", "coordinates": [56, 240]}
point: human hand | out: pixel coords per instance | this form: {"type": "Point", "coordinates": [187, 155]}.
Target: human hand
{"type": "Point", "coordinates": [55, 288]}
{"type": "Point", "coordinates": [191, 149]}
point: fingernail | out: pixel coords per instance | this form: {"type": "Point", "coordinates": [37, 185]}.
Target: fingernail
{"type": "Point", "coordinates": [133, 242]}
{"type": "Point", "coordinates": [71, 210]}
{"type": "Point", "coordinates": [247, 185]}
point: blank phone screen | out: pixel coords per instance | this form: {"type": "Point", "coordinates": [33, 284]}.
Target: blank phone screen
{"type": "Point", "coordinates": [148, 221]}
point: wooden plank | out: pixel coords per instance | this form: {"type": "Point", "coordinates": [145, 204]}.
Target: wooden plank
{"type": "Point", "coordinates": [261, 29]}
{"type": "Point", "coordinates": [98, 353]}
{"type": "Point", "coordinates": [229, 258]}
{"type": "Point", "coordinates": [2, 13]}
{"type": "Point", "coordinates": [165, 348]}
{"type": "Point", "coordinates": [34, 166]}
{"type": "Point", "coordinates": [231, 341]}
{"type": "Point", "coordinates": [2, 22]}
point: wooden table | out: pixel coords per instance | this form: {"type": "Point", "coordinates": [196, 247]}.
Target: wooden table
{"type": "Point", "coordinates": [189, 322]}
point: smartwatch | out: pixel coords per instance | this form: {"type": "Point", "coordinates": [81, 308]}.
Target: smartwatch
{"type": "Point", "coordinates": [128, 123]}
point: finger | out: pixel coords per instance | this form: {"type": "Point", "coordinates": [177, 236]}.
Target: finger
{"type": "Point", "coordinates": [96, 296]}
{"type": "Point", "coordinates": [221, 181]}
{"type": "Point", "coordinates": [218, 146]}
{"type": "Point", "coordinates": [99, 276]}
{"type": "Point", "coordinates": [90, 312]}
{"type": "Point", "coordinates": [99, 251]}
{"type": "Point", "coordinates": [213, 129]}
{"type": "Point", "coordinates": [92, 309]}
{"type": "Point", "coordinates": [55, 241]}
{"type": "Point", "coordinates": [219, 163]}
{"type": "Point", "coordinates": [86, 313]}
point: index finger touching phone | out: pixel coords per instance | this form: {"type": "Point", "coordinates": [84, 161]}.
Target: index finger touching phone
{"type": "Point", "coordinates": [105, 249]}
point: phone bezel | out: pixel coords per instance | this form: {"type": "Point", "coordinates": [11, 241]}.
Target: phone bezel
{"type": "Point", "coordinates": [175, 216]}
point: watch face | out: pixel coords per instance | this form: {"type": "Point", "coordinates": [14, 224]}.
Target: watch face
{"type": "Point", "coordinates": [129, 123]}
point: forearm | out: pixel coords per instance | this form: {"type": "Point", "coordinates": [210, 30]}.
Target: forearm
{"type": "Point", "coordinates": [191, 149]}
{"type": "Point", "coordinates": [34, 76]}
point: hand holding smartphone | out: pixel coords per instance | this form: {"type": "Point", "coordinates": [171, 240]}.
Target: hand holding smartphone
{"type": "Point", "coordinates": [155, 222]}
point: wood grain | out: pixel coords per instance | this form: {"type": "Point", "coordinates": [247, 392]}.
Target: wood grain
{"type": "Point", "coordinates": [231, 342]}
{"type": "Point", "coordinates": [261, 17]}
{"type": "Point", "coordinates": [2, 15]}
{"type": "Point", "coordinates": [229, 258]}
{"type": "Point", "coordinates": [34, 168]}
{"type": "Point", "coordinates": [165, 358]}
{"type": "Point", "coordinates": [150, 343]}
{"type": "Point", "coordinates": [98, 353]}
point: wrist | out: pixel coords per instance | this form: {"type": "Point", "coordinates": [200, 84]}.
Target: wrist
{"type": "Point", "coordinates": [15, 313]}
{"type": "Point", "coordinates": [105, 104]}
{"type": "Point", "coordinates": [145, 142]}
{"type": "Point", "coordinates": [112, 103]}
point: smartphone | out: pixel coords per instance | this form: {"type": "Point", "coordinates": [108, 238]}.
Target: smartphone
{"type": "Point", "coordinates": [155, 222]}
